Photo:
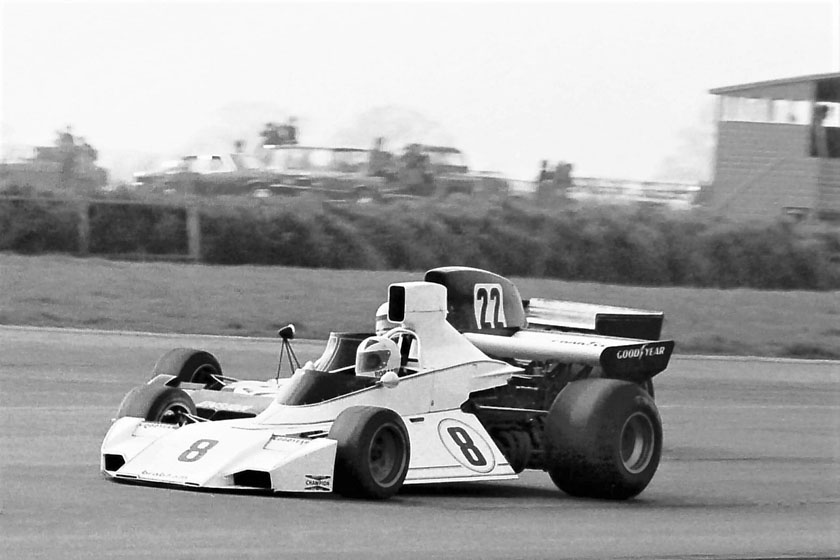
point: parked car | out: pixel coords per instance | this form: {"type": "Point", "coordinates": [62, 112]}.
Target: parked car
{"type": "Point", "coordinates": [209, 174]}
{"type": "Point", "coordinates": [339, 173]}
{"type": "Point", "coordinates": [443, 171]}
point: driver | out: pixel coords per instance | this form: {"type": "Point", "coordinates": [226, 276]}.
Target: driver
{"type": "Point", "coordinates": [383, 325]}
{"type": "Point", "coordinates": [376, 356]}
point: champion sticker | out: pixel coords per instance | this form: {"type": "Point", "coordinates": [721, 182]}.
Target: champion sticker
{"type": "Point", "coordinates": [317, 482]}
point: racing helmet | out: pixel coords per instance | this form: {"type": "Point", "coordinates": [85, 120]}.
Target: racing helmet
{"type": "Point", "coordinates": [376, 356]}
{"type": "Point", "coordinates": [383, 325]}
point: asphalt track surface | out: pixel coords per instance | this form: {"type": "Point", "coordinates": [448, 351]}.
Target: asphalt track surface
{"type": "Point", "coordinates": [750, 469]}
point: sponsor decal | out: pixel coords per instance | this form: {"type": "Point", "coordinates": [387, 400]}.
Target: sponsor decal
{"type": "Point", "coordinates": [317, 482]}
{"type": "Point", "coordinates": [288, 439]}
{"type": "Point", "coordinates": [582, 342]}
{"type": "Point", "coordinates": [162, 475]}
{"type": "Point", "coordinates": [227, 407]}
{"type": "Point", "coordinates": [640, 352]}
{"type": "Point", "coordinates": [152, 428]}
{"type": "Point", "coordinates": [285, 443]}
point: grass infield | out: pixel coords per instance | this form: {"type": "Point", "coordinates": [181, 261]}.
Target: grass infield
{"type": "Point", "coordinates": [62, 291]}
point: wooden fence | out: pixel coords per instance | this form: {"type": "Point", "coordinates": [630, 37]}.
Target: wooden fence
{"type": "Point", "coordinates": [671, 194]}
{"type": "Point", "coordinates": [82, 204]}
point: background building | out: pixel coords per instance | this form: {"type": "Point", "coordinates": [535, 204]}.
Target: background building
{"type": "Point", "coordinates": [778, 149]}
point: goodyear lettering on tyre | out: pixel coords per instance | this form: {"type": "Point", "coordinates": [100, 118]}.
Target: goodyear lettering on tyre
{"type": "Point", "coordinates": [466, 445]}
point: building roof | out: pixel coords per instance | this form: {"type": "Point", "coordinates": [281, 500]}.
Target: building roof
{"type": "Point", "coordinates": [815, 87]}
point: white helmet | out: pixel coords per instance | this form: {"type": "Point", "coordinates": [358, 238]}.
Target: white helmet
{"type": "Point", "coordinates": [383, 325]}
{"type": "Point", "coordinates": [377, 355]}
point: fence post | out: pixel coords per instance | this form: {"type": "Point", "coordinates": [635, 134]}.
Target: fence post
{"type": "Point", "coordinates": [193, 231]}
{"type": "Point", "coordinates": [83, 209]}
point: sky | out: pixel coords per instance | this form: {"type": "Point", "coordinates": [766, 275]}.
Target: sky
{"type": "Point", "coordinates": [615, 88]}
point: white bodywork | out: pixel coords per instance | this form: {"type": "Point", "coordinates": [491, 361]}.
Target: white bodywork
{"type": "Point", "coordinates": [576, 315]}
{"type": "Point", "coordinates": [290, 444]}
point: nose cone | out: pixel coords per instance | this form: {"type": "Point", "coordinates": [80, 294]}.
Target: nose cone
{"type": "Point", "coordinates": [195, 455]}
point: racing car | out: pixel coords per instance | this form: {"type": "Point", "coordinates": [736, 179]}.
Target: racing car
{"type": "Point", "coordinates": [463, 380]}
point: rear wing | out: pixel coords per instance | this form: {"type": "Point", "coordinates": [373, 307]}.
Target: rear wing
{"type": "Point", "coordinates": [606, 320]}
{"type": "Point", "coordinates": [620, 358]}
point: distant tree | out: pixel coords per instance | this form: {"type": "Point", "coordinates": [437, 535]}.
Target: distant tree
{"type": "Point", "coordinates": [85, 149]}
{"type": "Point", "coordinates": [274, 134]}
{"type": "Point", "coordinates": [66, 145]}
{"type": "Point", "coordinates": [75, 156]}
{"type": "Point", "coordinates": [692, 156]}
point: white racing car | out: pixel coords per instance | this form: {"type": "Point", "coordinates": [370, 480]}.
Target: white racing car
{"type": "Point", "coordinates": [465, 382]}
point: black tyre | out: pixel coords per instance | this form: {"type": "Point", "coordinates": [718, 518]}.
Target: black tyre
{"type": "Point", "coordinates": [604, 439]}
{"type": "Point", "coordinates": [373, 452]}
{"type": "Point", "coordinates": [647, 385]}
{"type": "Point", "coordinates": [191, 366]}
{"type": "Point", "coordinates": [158, 403]}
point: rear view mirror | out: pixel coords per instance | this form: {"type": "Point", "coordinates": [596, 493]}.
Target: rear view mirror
{"type": "Point", "coordinates": [389, 379]}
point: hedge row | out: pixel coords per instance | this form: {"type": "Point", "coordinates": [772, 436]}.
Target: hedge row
{"type": "Point", "coordinates": [52, 226]}
{"type": "Point", "coordinates": [611, 244]}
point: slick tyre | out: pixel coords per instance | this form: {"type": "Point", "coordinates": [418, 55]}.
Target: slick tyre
{"type": "Point", "coordinates": [647, 385]}
{"type": "Point", "coordinates": [157, 403]}
{"type": "Point", "coordinates": [604, 439]}
{"type": "Point", "coordinates": [190, 366]}
{"type": "Point", "coordinates": [372, 454]}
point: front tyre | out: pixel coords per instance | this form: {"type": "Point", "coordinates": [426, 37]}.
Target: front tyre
{"type": "Point", "coordinates": [604, 439]}
{"type": "Point", "coordinates": [373, 452]}
{"type": "Point", "coordinates": [158, 403]}
{"type": "Point", "coordinates": [191, 366]}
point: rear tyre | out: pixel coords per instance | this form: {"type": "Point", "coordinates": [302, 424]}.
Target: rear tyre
{"type": "Point", "coordinates": [158, 403]}
{"type": "Point", "coordinates": [373, 452]}
{"type": "Point", "coordinates": [647, 385]}
{"type": "Point", "coordinates": [191, 366]}
{"type": "Point", "coordinates": [604, 439]}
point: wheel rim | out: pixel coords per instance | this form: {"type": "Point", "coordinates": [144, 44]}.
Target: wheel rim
{"type": "Point", "coordinates": [175, 414]}
{"type": "Point", "coordinates": [386, 455]}
{"type": "Point", "coordinates": [637, 442]}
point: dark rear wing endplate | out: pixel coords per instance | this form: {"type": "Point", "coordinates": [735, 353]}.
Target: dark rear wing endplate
{"type": "Point", "coordinates": [636, 362]}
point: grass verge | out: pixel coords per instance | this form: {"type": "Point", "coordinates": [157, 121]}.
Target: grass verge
{"type": "Point", "coordinates": [65, 291]}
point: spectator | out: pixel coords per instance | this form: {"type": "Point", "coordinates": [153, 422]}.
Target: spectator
{"type": "Point", "coordinates": [290, 131]}
{"type": "Point", "coordinates": [544, 175]}
{"type": "Point", "coordinates": [819, 138]}
{"type": "Point", "coordinates": [562, 179]}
